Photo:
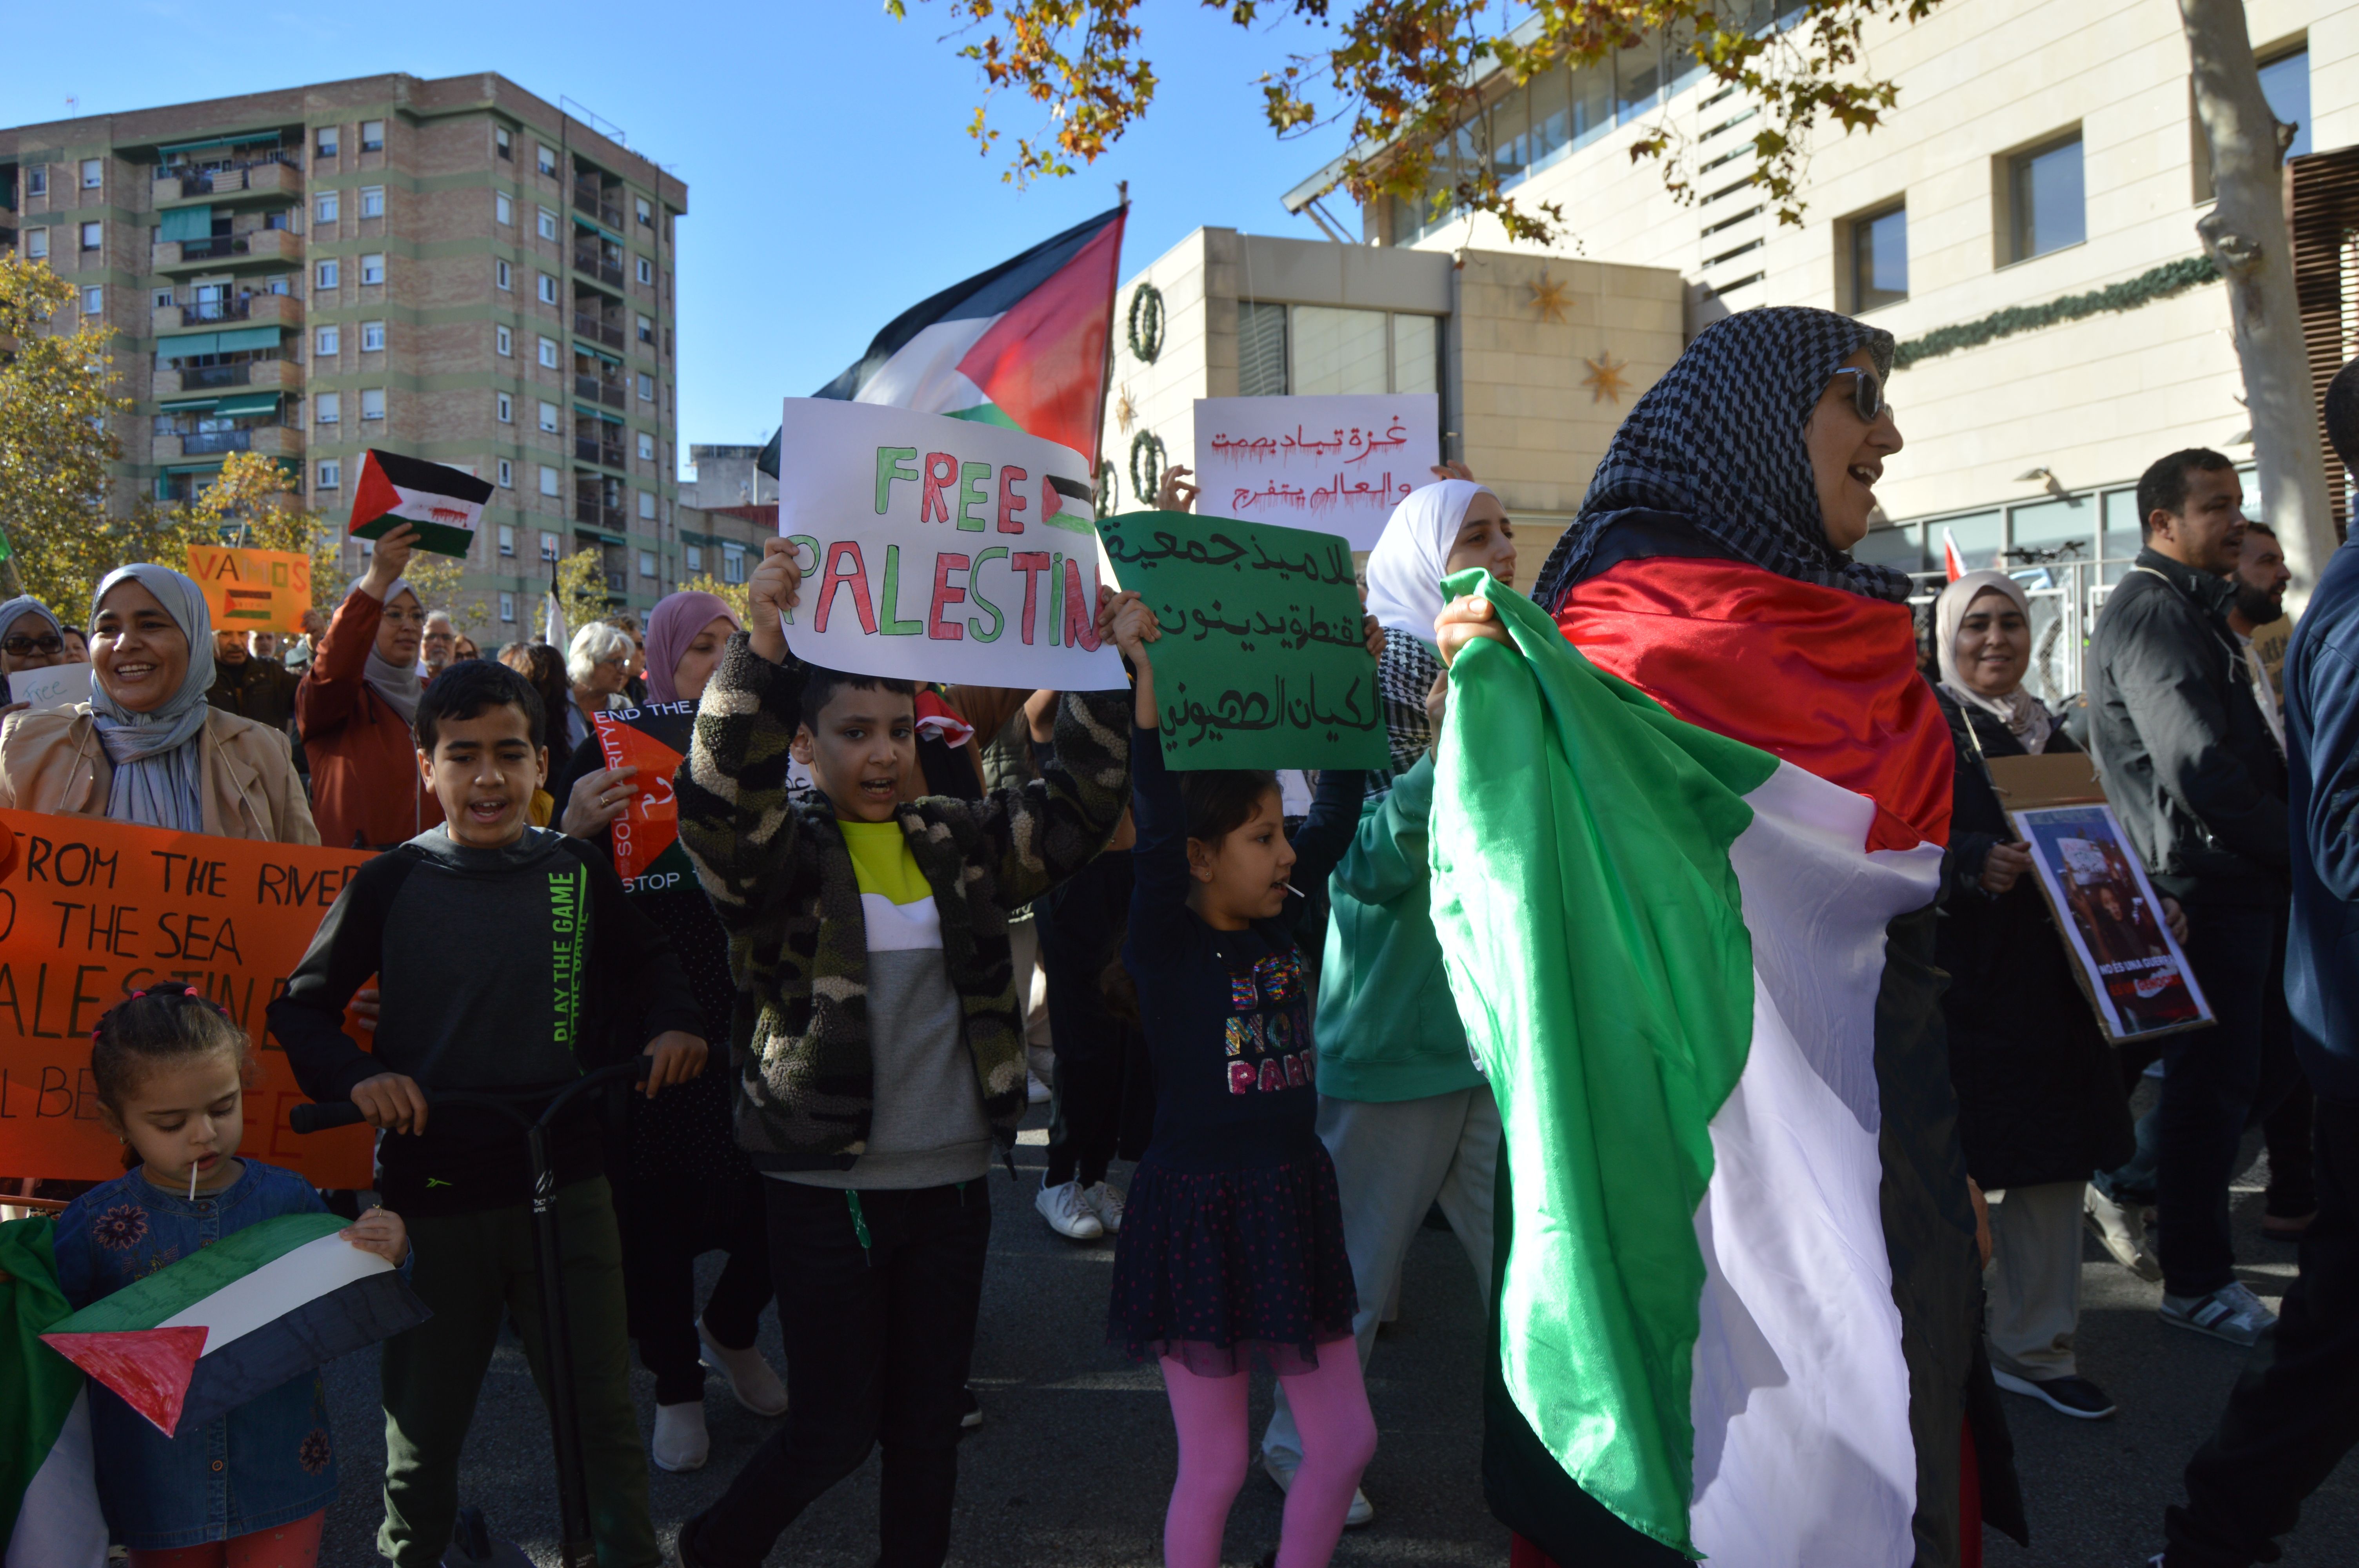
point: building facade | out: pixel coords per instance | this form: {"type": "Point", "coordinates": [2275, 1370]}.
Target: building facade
{"type": "Point", "coordinates": [449, 269]}
{"type": "Point", "coordinates": [728, 506]}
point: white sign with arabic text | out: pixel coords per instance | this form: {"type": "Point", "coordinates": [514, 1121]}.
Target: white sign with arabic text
{"type": "Point", "coordinates": [1338, 464]}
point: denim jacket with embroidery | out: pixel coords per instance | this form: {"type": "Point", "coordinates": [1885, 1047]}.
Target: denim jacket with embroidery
{"type": "Point", "coordinates": [268, 1463]}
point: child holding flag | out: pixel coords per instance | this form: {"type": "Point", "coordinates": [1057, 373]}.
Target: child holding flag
{"type": "Point", "coordinates": [252, 1487]}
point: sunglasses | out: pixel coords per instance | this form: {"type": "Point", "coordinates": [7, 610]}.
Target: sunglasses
{"type": "Point", "coordinates": [18, 647]}
{"type": "Point", "coordinates": [1866, 394]}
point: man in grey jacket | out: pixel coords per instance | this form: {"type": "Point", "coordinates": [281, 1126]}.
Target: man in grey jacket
{"type": "Point", "coordinates": [2200, 785]}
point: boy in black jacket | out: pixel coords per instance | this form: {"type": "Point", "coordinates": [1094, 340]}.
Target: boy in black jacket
{"type": "Point", "coordinates": [505, 954]}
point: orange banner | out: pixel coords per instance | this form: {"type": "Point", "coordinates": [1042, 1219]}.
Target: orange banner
{"type": "Point", "coordinates": [95, 910]}
{"type": "Point", "coordinates": [253, 591]}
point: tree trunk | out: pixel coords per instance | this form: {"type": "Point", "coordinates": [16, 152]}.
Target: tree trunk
{"type": "Point", "coordinates": [2248, 239]}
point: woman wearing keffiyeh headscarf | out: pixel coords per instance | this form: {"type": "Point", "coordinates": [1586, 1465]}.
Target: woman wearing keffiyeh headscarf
{"type": "Point", "coordinates": [355, 708]}
{"type": "Point", "coordinates": [1709, 595]}
{"type": "Point", "coordinates": [147, 748]}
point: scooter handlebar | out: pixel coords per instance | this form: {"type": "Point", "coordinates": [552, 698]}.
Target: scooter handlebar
{"type": "Point", "coordinates": [326, 1114]}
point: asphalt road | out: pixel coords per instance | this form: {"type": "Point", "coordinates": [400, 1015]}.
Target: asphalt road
{"type": "Point", "coordinates": [1073, 1463]}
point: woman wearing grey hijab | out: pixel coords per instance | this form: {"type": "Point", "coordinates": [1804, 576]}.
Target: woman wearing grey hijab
{"type": "Point", "coordinates": [147, 748]}
{"type": "Point", "coordinates": [30, 639]}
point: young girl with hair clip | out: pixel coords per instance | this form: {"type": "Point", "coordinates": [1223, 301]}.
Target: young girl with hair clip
{"type": "Point", "coordinates": [1232, 1251]}
{"type": "Point", "coordinates": [250, 1490]}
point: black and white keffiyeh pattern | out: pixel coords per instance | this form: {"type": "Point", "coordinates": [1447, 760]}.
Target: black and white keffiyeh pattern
{"type": "Point", "coordinates": [1405, 673]}
{"type": "Point", "coordinates": [1719, 440]}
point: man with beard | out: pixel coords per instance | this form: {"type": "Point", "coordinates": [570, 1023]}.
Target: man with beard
{"type": "Point", "coordinates": [252, 688]}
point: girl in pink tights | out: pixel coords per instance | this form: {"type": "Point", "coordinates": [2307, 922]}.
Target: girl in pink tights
{"type": "Point", "coordinates": [1232, 1247]}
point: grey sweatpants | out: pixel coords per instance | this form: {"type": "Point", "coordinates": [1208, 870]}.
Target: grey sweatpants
{"type": "Point", "coordinates": [1394, 1160]}
{"type": "Point", "coordinates": [2034, 1280]}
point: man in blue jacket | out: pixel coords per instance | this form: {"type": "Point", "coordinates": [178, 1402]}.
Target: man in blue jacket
{"type": "Point", "coordinates": [2295, 1412]}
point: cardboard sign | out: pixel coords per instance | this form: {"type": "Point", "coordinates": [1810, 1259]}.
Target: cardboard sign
{"type": "Point", "coordinates": [1262, 663]}
{"type": "Point", "coordinates": [942, 550]}
{"type": "Point", "coordinates": [1338, 463]}
{"type": "Point", "coordinates": [60, 686]}
{"type": "Point", "coordinates": [95, 910]}
{"type": "Point", "coordinates": [253, 591]}
{"type": "Point", "coordinates": [2128, 964]}
{"type": "Point", "coordinates": [653, 738]}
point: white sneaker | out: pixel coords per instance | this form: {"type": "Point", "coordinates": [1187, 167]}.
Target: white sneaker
{"type": "Point", "coordinates": [2122, 1228]}
{"type": "Point", "coordinates": [680, 1443]}
{"type": "Point", "coordinates": [1282, 1477]}
{"type": "Point", "coordinates": [1034, 1090]}
{"type": "Point", "coordinates": [747, 1373]}
{"type": "Point", "coordinates": [1067, 1212]}
{"type": "Point", "coordinates": [2230, 1313]}
{"type": "Point", "coordinates": [1106, 1203]}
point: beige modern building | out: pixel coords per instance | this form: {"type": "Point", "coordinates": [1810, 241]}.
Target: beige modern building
{"type": "Point", "coordinates": [452, 269]}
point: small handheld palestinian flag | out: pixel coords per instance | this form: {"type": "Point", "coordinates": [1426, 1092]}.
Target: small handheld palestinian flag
{"type": "Point", "coordinates": [194, 1341]}
{"type": "Point", "coordinates": [442, 503]}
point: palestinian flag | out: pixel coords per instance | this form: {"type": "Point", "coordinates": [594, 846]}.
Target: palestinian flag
{"type": "Point", "coordinates": [194, 1341]}
{"type": "Point", "coordinates": [442, 503]}
{"type": "Point", "coordinates": [1022, 345]}
{"type": "Point", "coordinates": [1687, 918]}
{"type": "Point", "coordinates": [49, 1497]}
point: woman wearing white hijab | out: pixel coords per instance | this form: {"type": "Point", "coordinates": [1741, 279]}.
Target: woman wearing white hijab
{"type": "Point", "coordinates": [355, 705]}
{"type": "Point", "coordinates": [1405, 1117]}
{"type": "Point", "coordinates": [147, 748]}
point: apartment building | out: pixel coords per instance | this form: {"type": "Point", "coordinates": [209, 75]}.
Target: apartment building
{"type": "Point", "coordinates": [452, 269]}
{"type": "Point", "coordinates": [727, 507]}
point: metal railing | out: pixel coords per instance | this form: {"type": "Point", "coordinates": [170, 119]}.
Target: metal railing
{"type": "Point", "coordinates": [213, 249]}
{"type": "Point", "coordinates": [199, 443]}
{"type": "Point", "coordinates": [210, 176]}
{"type": "Point", "coordinates": [606, 392]}
{"type": "Point", "coordinates": [590, 510]}
{"type": "Point", "coordinates": [608, 332]}
{"type": "Point", "coordinates": [203, 310]}
{"type": "Point", "coordinates": [593, 201]}
{"type": "Point", "coordinates": [591, 263]}
{"type": "Point", "coordinates": [590, 452]}
{"type": "Point", "coordinates": [193, 377]}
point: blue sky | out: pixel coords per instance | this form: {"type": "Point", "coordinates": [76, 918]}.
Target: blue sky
{"type": "Point", "coordinates": [830, 181]}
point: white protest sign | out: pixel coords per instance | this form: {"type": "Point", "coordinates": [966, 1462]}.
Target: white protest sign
{"type": "Point", "coordinates": [60, 686]}
{"type": "Point", "coordinates": [1338, 464]}
{"type": "Point", "coordinates": [942, 549]}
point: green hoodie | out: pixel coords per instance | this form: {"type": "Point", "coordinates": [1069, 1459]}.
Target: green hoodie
{"type": "Point", "coordinates": [1387, 1028]}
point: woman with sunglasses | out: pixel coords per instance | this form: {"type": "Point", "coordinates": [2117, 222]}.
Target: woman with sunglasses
{"type": "Point", "coordinates": [1709, 567]}
{"type": "Point", "coordinates": [30, 639]}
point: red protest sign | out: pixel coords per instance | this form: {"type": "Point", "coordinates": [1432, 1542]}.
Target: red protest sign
{"type": "Point", "coordinates": [653, 738]}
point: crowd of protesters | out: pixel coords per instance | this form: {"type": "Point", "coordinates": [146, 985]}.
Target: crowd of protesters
{"type": "Point", "coordinates": [919, 910]}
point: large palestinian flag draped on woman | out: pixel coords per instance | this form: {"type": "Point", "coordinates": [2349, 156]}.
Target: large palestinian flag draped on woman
{"type": "Point", "coordinates": [1676, 955]}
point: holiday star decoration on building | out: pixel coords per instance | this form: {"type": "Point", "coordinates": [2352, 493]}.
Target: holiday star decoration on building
{"type": "Point", "coordinates": [1548, 297]}
{"type": "Point", "coordinates": [1604, 379]}
{"type": "Point", "coordinates": [1126, 412]}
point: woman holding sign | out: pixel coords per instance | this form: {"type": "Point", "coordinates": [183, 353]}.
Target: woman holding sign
{"type": "Point", "coordinates": [30, 639]}
{"type": "Point", "coordinates": [146, 747]}
{"type": "Point", "coordinates": [355, 708]}
{"type": "Point", "coordinates": [687, 1187]}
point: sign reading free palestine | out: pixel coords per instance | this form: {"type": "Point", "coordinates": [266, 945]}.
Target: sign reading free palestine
{"type": "Point", "coordinates": [942, 550]}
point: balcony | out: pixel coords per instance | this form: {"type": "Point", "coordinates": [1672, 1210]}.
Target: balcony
{"type": "Point", "coordinates": [590, 510]}
{"type": "Point", "coordinates": [270, 440]}
{"type": "Point", "coordinates": [590, 200]}
{"type": "Point", "coordinates": [590, 264]}
{"type": "Point", "coordinates": [597, 331]}
{"type": "Point", "coordinates": [281, 375]}
{"type": "Point", "coordinates": [609, 392]}
{"type": "Point", "coordinates": [273, 176]}
{"type": "Point", "coordinates": [256, 247]}
{"type": "Point", "coordinates": [589, 450]}
{"type": "Point", "coordinates": [257, 310]}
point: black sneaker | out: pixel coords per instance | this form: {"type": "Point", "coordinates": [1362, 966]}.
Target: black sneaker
{"type": "Point", "coordinates": [2075, 1396]}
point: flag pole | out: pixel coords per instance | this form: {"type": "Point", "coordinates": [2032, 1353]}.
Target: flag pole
{"type": "Point", "coordinates": [1105, 381]}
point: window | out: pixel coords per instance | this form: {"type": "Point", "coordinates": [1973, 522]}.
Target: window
{"type": "Point", "coordinates": [2044, 195]}
{"type": "Point", "coordinates": [327, 408]}
{"type": "Point", "coordinates": [503, 342]}
{"type": "Point", "coordinates": [163, 299]}
{"type": "Point", "coordinates": [2285, 83]}
{"type": "Point", "coordinates": [546, 161]}
{"type": "Point", "coordinates": [502, 210]}
{"type": "Point", "coordinates": [93, 300]}
{"type": "Point", "coordinates": [549, 352]}
{"type": "Point", "coordinates": [548, 290]}
{"type": "Point", "coordinates": [371, 336]}
{"type": "Point", "coordinates": [548, 225]}
{"type": "Point", "coordinates": [504, 408]}
{"type": "Point", "coordinates": [325, 275]}
{"type": "Point", "coordinates": [646, 447]}
{"type": "Point", "coordinates": [501, 276]}
{"type": "Point", "coordinates": [372, 269]}
{"type": "Point", "coordinates": [646, 213]}
{"type": "Point", "coordinates": [372, 136]}
{"type": "Point", "coordinates": [1879, 259]}
{"type": "Point", "coordinates": [647, 510]}
{"type": "Point", "coordinates": [329, 474]}
{"type": "Point", "coordinates": [326, 143]}
{"type": "Point", "coordinates": [324, 341]}
{"type": "Point", "coordinates": [93, 173]}
{"type": "Point", "coordinates": [646, 330]}
{"type": "Point", "coordinates": [547, 487]}
{"type": "Point", "coordinates": [36, 181]}
{"type": "Point", "coordinates": [694, 555]}
{"type": "Point", "coordinates": [93, 235]}
{"type": "Point", "coordinates": [646, 270]}
{"type": "Point", "coordinates": [373, 403]}
{"type": "Point", "coordinates": [646, 563]}
{"type": "Point", "coordinates": [508, 481]}
{"type": "Point", "coordinates": [507, 607]}
{"type": "Point", "coordinates": [646, 387]}
{"type": "Point", "coordinates": [324, 209]}
{"type": "Point", "coordinates": [548, 417]}
{"type": "Point", "coordinates": [733, 563]}
{"type": "Point", "coordinates": [37, 243]}
{"type": "Point", "coordinates": [502, 144]}
{"type": "Point", "coordinates": [548, 541]}
{"type": "Point", "coordinates": [507, 530]}
{"type": "Point", "coordinates": [372, 201]}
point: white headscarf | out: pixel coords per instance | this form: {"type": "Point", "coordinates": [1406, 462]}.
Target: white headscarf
{"type": "Point", "coordinates": [398, 684]}
{"type": "Point", "coordinates": [1406, 568]}
{"type": "Point", "coordinates": [2019, 710]}
{"type": "Point", "coordinates": [156, 779]}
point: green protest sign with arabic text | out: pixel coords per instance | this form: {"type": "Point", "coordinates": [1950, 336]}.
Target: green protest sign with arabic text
{"type": "Point", "coordinates": [1263, 662]}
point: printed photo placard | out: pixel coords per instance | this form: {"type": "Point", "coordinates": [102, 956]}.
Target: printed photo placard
{"type": "Point", "coordinates": [2123, 955]}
